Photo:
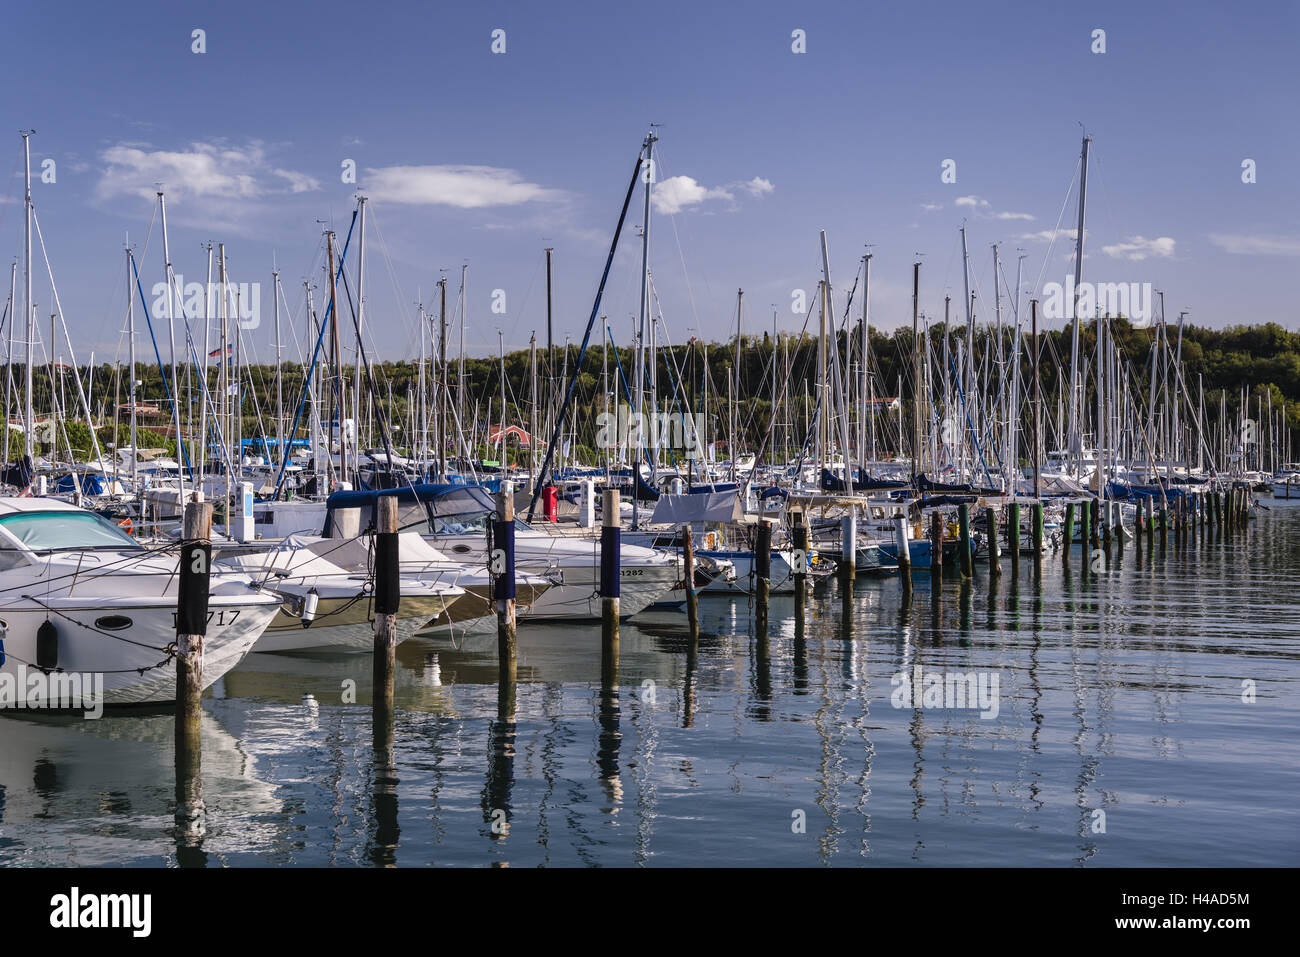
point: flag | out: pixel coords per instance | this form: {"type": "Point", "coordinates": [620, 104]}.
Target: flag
{"type": "Point", "coordinates": [217, 351]}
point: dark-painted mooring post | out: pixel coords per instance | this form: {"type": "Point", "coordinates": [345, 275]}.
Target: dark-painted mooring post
{"type": "Point", "coordinates": [936, 548]}
{"type": "Point", "coordinates": [610, 537]}
{"type": "Point", "coordinates": [1094, 522]}
{"type": "Point", "coordinates": [191, 627]}
{"type": "Point", "coordinates": [1117, 522]}
{"type": "Point", "coordinates": [1085, 538]}
{"type": "Point", "coordinates": [692, 597]}
{"type": "Point", "coordinates": [1068, 531]}
{"type": "Point", "coordinates": [1038, 534]}
{"type": "Point", "coordinates": [762, 573]}
{"type": "Point", "coordinates": [800, 572]}
{"type": "Point", "coordinates": [1013, 537]}
{"type": "Point", "coordinates": [388, 598]}
{"type": "Point", "coordinates": [963, 545]}
{"type": "Point", "coordinates": [1137, 525]}
{"type": "Point", "coordinates": [995, 547]}
{"type": "Point", "coordinates": [387, 601]}
{"type": "Point", "coordinates": [503, 567]}
{"type": "Point", "coordinates": [1164, 523]}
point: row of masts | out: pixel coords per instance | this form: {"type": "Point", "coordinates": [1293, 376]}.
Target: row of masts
{"type": "Point", "coordinates": [966, 419]}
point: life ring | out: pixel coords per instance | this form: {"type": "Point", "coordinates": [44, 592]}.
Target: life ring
{"type": "Point", "coordinates": [126, 524]}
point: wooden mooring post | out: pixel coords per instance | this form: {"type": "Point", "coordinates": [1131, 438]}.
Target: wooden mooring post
{"type": "Point", "coordinates": [963, 545]}
{"type": "Point", "coordinates": [504, 589]}
{"type": "Point", "coordinates": [1038, 535]}
{"type": "Point", "coordinates": [387, 601]}
{"type": "Point", "coordinates": [936, 548]}
{"type": "Point", "coordinates": [762, 574]}
{"type": "Point", "coordinates": [1013, 537]}
{"type": "Point", "coordinates": [692, 596]}
{"type": "Point", "coordinates": [1068, 532]}
{"type": "Point", "coordinates": [387, 604]}
{"type": "Point", "coordinates": [995, 547]}
{"type": "Point", "coordinates": [800, 573]}
{"type": "Point", "coordinates": [849, 544]}
{"type": "Point", "coordinates": [1085, 536]}
{"type": "Point", "coordinates": [610, 539]}
{"type": "Point", "coordinates": [193, 584]}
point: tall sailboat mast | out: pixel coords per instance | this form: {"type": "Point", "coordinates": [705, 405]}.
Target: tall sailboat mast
{"type": "Point", "coordinates": [864, 372]}
{"type": "Point", "coordinates": [916, 374]}
{"type": "Point", "coordinates": [207, 347]}
{"type": "Point", "coordinates": [834, 389]}
{"type": "Point", "coordinates": [1076, 379]}
{"type": "Point", "coordinates": [29, 308]}
{"type": "Point", "coordinates": [279, 381]}
{"type": "Point", "coordinates": [130, 336]}
{"type": "Point", "coordinates": [443, 394]}
{"type": "Point", "coordinates": [171, 332]}
{"type": "Point", "coordinates": [733, 417]}
{"type": "Point", "coordinates": [644, 308]}
{"type": "Point", "coordinates": [361, 325]}
{"type": "Point", "coordinates": [9, 359]}
{"type": "Point", "coordinates": [550, 351]}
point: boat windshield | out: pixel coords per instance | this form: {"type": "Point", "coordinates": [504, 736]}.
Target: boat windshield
{"type": "Point", "coordinates": [66, 531]}
{"type": "Point", "coordinates": [464, 523]}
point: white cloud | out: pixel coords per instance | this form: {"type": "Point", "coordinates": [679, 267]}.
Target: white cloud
{"type": "Point", "coordinates": [1047, 235]}
{"type": "Point", "coordinates": [1256, 245]}
{"type": "Point", "coordinates": [464, 187]}
{"type": "Point", "coordinates": [676, 193]}
{"type": "Point", "coordinates": [1014, 216]}
{"type": "Point", "coordinates": [1139, 247]}
{"type": "Point", "coordinates": [973, 201]}
{"type": "Point", "coordinates": [931, 207]}
{"type": "Point", "coordinates": [298, 182]}
{"type": "Point", "coordinates": [213, 171]}
{"type": "Point", "coordinates": [204, 170]}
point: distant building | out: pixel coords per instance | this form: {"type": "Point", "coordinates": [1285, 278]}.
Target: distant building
{"type": "Point", "coordinates": [512, 432]}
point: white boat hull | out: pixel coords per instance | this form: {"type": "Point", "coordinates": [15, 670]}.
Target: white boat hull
{"type": "Point", "coordinates": [235, 623]}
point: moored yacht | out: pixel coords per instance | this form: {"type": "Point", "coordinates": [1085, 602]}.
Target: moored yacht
{"type": "Point", "coordinates": [109, 604]}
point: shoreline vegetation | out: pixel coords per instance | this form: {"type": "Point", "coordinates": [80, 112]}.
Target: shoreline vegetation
{"type": "Point", "coordinates": [1260, 362]}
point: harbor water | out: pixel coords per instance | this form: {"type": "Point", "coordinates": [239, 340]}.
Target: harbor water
{"type": "Point", "coordinates": [1142, 713]}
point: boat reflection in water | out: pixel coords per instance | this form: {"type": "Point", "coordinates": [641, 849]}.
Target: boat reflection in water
{"type": "Point", "coordinates": [1119, 691]}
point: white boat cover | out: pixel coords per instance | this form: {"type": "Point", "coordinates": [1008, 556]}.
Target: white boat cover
{"type": "Point", "coordinates": [698, 507]}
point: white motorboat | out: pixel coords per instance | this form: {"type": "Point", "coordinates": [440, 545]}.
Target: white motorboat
{"type": "Point", "coordinates": [111, 604]}
{"type": "Point", "coordinates": [330, 608]}
{"type": "Point", "coordinates": [454, 520]}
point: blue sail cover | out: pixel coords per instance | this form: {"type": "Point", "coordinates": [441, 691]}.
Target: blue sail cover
{"type": "Point", "coordinates": [862, 482]}
{"type": "Point", "coordinates": [91, 484]}
{"type": "Point", "coordinates": [1131, 493]}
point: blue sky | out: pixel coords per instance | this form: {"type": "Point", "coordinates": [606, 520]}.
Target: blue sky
{"type": "Point", "coordinates": [471, 156]}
